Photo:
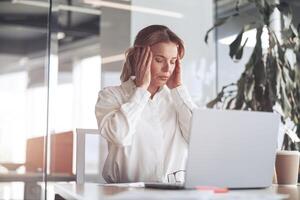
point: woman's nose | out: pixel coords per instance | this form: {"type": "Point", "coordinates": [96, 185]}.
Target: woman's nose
{"type": "Point", "coordinates": [166, 67]}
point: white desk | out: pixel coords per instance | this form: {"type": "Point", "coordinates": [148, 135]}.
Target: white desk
{"type": "Point", "coordinates": [27, 185]}
{"type": "Point", "coordinates": [95, 191]}
{"type": "Point", "coordinates": [34, 177]}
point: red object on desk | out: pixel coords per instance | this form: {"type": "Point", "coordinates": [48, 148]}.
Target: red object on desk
{"type": "Point", "coordinates": [212, 188]}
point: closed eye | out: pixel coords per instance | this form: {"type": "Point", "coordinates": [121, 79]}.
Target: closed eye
{"type": "Point", "coordinates": [159, 60]}
{"type": "Point", "coordinates": [173, 62]}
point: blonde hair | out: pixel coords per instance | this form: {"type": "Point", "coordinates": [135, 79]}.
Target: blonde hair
{"type": "Point", "coordinates": [148, 36]}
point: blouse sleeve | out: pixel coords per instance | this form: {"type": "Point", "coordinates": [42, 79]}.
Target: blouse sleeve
{"type": "Point", "coordinates": [116, 121]}
{"type": "Point", "coordinates": [184, 106]}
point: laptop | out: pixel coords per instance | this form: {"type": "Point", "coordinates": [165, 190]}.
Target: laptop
{"type": "Point", "coordinates": [230, 148]}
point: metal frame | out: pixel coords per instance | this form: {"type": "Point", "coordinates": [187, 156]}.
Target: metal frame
{"type": "Point", "coordinates": [80, 152]}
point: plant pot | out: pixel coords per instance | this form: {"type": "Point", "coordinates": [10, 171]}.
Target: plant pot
{"type": "Point", "coordinates": [287, 167]}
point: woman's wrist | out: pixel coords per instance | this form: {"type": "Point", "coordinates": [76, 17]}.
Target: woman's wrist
{"type": "Point", "coordinates": [174, 86]}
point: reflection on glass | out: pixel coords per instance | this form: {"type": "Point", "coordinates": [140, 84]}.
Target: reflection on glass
{"type": "Point", "coordinates": [23, 91]}
{"type": "Point", "coordinates": [74, 82]}
{"type": "Point", "coordinates": [80, 71]}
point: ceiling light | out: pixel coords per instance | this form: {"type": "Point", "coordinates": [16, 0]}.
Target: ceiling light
{"type": "Point", "coordinates": [141, 9]}
{"type": "Point", "coordinates": [78, 9]}
{"type": "Point", "coordinates": [61, 35]}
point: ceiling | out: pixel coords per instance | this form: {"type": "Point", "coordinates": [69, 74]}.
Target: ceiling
{"type": "Point", "coordinates": [23, 27]}
{"type": "Point", "coordinates": [23, 24]}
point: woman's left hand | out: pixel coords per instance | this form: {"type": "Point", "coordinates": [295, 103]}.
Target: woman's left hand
{"type": "Point", "coordinates": [175, 79]}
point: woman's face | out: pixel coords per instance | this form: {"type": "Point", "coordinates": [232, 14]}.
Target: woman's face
{"type": "Point", "coordinates": [163, 62]}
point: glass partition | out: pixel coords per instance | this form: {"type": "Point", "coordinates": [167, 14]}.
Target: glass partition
{"type": "Point", "coordinates": [74, 82]}
{"type": "Point", "coordinates": [23, 91]}
{"type": "Point", "coordinates": [88, 43]}
{"type": "Point", "coordinates": [53, 65]}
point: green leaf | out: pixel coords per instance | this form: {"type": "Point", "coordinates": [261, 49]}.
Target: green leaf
{"type": "Point", "coordinates": [280, 51]}
{"type": "Point", "coordinates": [239, 54]}
{"type": "Point", "coordinates": [285, 102]}
{"type": "Point", "coordinates": [297, 68]}
{"type": "Point", "coordinates": [259, 70]}
{"type": "Point", "coordinates": [218, 99]}
{"type": "Point", "coordinates": [278, 80]}
{"type": "Point", "coordinates": [249, 88]}
{"type": "Point", "coordinates": [258, 45]}
{"type": "Point", "coordinates": [271, 68]}
{"type": "Point", "coordinates": [220, 96]}
{"type": "Point", "coordinates": [219, 22]}
{"type": "Point", "coordinates": [240, 93]}
{"type": "Point", "coordinates": [286, 11]}
{"type": "Point", "coordinates": [228, 106]}
{"type": "Point", "coordinates": [235, 45]}
{"type": "Point", "coordinates": [272, 40]}
{"type": "Point", "coordinates": [289, 84]}
{"type": "Point", "coordinates": [288, 38]}
{"type": "Point", "coordinates": [266, 10]}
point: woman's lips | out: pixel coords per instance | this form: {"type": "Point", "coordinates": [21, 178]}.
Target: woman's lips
{"type": "Point", "coordinates": [164, 77]}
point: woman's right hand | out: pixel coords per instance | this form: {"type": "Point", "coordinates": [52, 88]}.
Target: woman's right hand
{"type": "Point", "coordinates": [143, 66]}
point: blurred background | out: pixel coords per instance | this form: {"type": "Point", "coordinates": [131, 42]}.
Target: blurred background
{"type": "Point", "coordinates": [56, 55]}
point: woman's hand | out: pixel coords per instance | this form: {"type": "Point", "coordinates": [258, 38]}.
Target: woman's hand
{"type": "Point", "coordinates": [143, 66]}
{"type": "Point", "coordinates": [175, 79]}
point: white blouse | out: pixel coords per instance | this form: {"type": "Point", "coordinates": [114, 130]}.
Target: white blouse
{"type": "Point", "coordinates": [147, 138]}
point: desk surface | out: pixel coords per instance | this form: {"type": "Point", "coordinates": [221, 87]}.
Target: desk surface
{"type": "Point", "coordinates": [34, 177]}
{"type": "Point", "coordinates": [96, 191]}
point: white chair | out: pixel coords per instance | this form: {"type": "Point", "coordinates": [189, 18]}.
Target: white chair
{"type": "Point", "coordinates": [87, 140]}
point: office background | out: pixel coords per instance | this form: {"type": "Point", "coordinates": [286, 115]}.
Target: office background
{"type": "Point", "coordinates": [56, 55]}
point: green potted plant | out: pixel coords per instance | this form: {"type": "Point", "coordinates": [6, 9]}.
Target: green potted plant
{"type": "Point", "coordinates": [271, 78]}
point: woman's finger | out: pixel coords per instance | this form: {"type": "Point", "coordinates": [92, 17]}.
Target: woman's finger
{"type": "Point", "coordinates": [139, 59]}
{"type": "Point", "coordinates": [149, 59]}
{"type": "Point", "coordinates": [146, 57]}
{"type": "Point", "coordinates": [136, 59]}
{"type": "Point", "coordinates": [142, 55]}
{"type": "Point", "coordinates": [147, 65]}
{"type": "Point", "coordinates": [178, 65]}
{"type": "Point", "coordinates": [142, 63]}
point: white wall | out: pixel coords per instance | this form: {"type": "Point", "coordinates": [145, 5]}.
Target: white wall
{"type": "Point", "coordinates": [114, 40]}
{"type": "Point", "coordinates": [228, 70]}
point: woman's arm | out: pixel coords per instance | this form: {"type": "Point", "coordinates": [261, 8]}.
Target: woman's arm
{"type": "Point", "coordinates": [117, 122]}
{"type": "Point", "coordinates": [184, 106]}
{"type": "Point", "coordinates": [182, 100]}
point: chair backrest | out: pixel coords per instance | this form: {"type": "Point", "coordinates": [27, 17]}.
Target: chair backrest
{"type": "Point", "coordinates": [35, 154]}
{"type": "Point", "coordinates": [91, 150]}
{"type": "Point", "coordinates": [61, 156]}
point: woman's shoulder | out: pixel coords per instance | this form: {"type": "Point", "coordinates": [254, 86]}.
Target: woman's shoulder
{"type": "Point", "coordinates": [118, 91]}
{"type": "Point", "coordinates": [110, 91]}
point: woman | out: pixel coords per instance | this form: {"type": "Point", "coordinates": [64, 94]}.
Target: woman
{"type": "Point", "coordinates": [145, 120]}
